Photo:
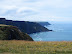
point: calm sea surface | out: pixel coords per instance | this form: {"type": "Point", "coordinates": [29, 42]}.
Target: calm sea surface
{"type": "Point", "coordinates": [61, 32]}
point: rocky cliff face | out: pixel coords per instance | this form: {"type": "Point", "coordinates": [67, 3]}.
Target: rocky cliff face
{"type": "Point", "coordinates": [12, 33]}
{"type": "Point", "coordinates": [29, 27]}
{"type": "Point", "coordinates": [25, 26]}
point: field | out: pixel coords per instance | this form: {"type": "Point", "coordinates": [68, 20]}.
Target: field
{"type": "Point", "coordinates": [28, 47]}
{"type": "Point", "coordinates": [3, 25]}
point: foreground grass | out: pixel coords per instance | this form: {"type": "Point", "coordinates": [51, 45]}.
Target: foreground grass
{"type": "Point", "coordinates": [3, 25]}
{"type": "Point", "coordinates": [26, 47]}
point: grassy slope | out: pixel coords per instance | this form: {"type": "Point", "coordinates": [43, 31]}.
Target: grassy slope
{"type": "Point", "coordinates": [3, 25]}
{"type": "Point", "coordinates": [26, 47]}
{"type": "Point", "coordinates": [8, 32]}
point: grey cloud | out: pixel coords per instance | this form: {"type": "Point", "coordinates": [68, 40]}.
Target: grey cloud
{"type": "Point", "coordinates": [22, 13]}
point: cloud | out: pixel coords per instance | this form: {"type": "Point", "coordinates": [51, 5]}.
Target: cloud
{"type": "Point", "coordinates": [57, 3]}
{"type": "Point", "coordinates": [36, 9]}
{"type": "Point", "coordinates": [26, 10]}
{"type": "Point", "coordinates": [19, 12]}
{"type": "Point", "coordinates": [16, 8]}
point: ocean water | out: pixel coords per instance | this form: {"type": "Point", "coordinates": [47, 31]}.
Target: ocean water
{"type": "Point", "coordinates": [61, 32]}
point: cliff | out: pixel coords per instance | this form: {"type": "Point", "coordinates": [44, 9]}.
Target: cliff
{"type": "Point", "coordinates": [29, 27]}
{"type": "Point", "coordinates": [8, 32]}
{"type": "Point", "coordinates": [25, 26]}
{"type": "Point", "coordinates": [44, 23]}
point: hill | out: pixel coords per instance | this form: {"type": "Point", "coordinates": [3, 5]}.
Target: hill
{"type": "Point", "coordinates": [8, 32]}
{"type": "Point", "coordinates": [25, 26]}
{"type": "Point", "coordinates": [44, 23]}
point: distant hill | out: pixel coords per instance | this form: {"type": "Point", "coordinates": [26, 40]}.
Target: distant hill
{"type": "Point", "coordinates": [25, 26]}
{"type": "Point", "coordinates": [44, 23]}
{"type": "Point", "coordinates": [8, 32]}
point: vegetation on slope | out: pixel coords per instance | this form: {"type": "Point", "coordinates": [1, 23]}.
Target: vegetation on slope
{"type": "Point", "coordinates": [8, 32]}
{"type": "Point", "coordinates": [26, 47]}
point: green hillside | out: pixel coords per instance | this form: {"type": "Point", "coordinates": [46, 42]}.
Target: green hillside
{"type": "Point", "coordinates": [8, 32]}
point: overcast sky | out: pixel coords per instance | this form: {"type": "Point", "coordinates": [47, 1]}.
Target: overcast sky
{"type": "Point", "coordinates": [36, 10]}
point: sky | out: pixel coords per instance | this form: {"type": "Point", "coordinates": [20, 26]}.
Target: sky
{"type": "Point", "coordinates": [37, 10]}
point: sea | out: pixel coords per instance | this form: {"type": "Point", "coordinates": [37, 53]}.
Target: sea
{"type": "Point", "coordinates": [61, 32]}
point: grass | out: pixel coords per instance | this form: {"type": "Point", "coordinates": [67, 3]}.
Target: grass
{"type": "Point", "coordinates": [3, 25]}
{"type": "Point", "coordinates": [29, 47]}
{"type": "Point", "coordinates": [9, 32]}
